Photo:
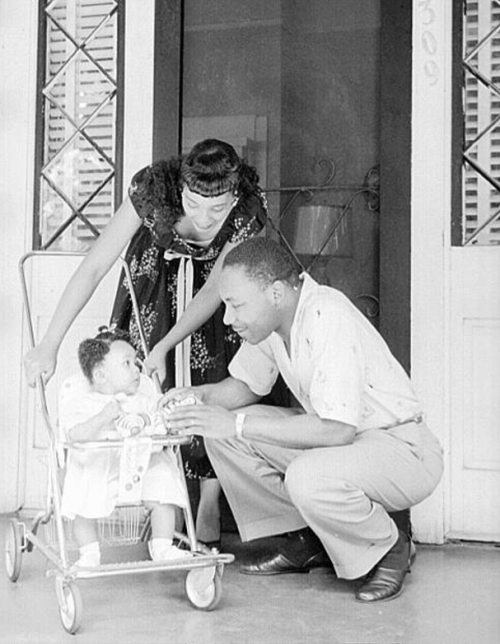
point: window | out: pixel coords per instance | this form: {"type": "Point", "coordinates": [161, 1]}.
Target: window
{"type": "Point", "coordinates": [480, 102]}
{"type": "Point", "coordinates": [78, 154]}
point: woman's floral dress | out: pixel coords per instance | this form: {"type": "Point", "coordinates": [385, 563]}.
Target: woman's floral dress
{"type": "Point", "coordinates": [158, 258]}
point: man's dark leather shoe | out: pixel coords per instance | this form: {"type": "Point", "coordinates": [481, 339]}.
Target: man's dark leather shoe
{"type": "Point", "coordinates": [279, 564]}
{"type": "Point", "coordinates": [384, 583]}
{"type": "Point", "coordinates": [301, 552]}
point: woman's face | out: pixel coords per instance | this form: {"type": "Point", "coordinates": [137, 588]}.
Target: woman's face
{"type": "Point", "coordinates": [207, 214]}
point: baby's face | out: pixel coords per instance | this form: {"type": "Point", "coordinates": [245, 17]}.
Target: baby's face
{"type": "Point", "coordinates": [121, 369]}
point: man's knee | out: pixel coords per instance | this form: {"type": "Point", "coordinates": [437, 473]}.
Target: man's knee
{"type": "Point", "coordinates": [307, 486]}
{"type": "Point", "coordinates": [299, 482]}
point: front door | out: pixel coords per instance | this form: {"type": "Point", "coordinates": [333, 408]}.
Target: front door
{"type": "Point", "coordinates": [294, 86]}
{"type": "Point", "coordinates": [475, 296]}
{"type": "Point", "coordinates": [475, 403]}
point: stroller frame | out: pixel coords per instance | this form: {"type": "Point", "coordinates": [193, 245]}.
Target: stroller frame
{"type": "Point", "coordinates": [205, 568]}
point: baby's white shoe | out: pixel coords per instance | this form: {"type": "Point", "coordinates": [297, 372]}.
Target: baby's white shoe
{"type": "Point", "coordinates": [90, 556]}
{"type": "Point", "coordinates": [161, 549]}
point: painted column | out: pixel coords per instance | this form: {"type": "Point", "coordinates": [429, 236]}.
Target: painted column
{"type": "Point", "coordinates": [431, 206]}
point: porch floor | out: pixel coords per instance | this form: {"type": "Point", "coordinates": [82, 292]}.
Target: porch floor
{"type": "Point", "coordinates": [451, 596]}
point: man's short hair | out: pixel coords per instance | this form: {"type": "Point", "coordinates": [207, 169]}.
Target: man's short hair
{"type": "Point", "coordinates": [93, 351]}
{"type": "Point", "coordinates": [264, 261]}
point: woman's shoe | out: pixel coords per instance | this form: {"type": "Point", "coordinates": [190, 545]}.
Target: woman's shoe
{"type": "Point", "coordinates": [210, 545]}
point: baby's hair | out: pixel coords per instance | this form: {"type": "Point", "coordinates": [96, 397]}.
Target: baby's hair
{"type": "Point", "coordinates": [93, 351]}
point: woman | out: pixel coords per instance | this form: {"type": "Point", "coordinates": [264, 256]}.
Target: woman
{"type": "Point", "coordinates": [181, 218]}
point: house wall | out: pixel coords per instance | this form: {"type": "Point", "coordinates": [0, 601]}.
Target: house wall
{"type": "Point", "coordinates": [18, 53]}
{"type": "Point", "coordinates": [18, 37]}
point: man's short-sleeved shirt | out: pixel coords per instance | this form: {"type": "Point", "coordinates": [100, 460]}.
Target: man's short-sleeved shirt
{"type": "Point", "coordinates": [339, 366]}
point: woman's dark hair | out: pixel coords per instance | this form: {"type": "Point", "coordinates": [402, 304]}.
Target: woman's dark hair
{"type": "Point", "coordinates": [264, 261]}
{"type": "Point", "coordinates": [92, 351]}
{"type": "Point", "coordinates": [213, 167]}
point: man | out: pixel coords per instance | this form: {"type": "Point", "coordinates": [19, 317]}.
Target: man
{"type": "Point", "coordinates": [330, 472]}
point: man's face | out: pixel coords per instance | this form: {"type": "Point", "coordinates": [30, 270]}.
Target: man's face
{"type": "Point", "coordinates": [250, 307]}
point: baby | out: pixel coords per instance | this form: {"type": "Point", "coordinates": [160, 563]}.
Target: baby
{"type": "Point", "coordinates": [96, 406]}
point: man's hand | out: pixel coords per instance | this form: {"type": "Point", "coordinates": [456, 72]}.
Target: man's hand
{"type": "Point", "coordinates": [202, 420]}
{"type": "Point", "coordinates": [177, 394]}
{"type": "Point", "coordinates": [40, 362]}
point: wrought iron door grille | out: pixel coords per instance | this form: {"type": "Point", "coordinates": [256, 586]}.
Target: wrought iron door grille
{"type": "Point", "coordinates": [481, 101]}
{"type": "Point", "coordinates": [79, 143]}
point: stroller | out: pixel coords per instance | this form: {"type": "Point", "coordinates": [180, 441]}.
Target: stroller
{"type": "Point", "coordinates": [128, 524]}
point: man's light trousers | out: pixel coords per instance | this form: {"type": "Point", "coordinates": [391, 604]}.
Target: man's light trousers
{"type": "Point", "coordinates": [342, 493]}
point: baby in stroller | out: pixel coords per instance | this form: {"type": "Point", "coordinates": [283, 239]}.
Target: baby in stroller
{"type": "Point", "coordinates": [105, 402]}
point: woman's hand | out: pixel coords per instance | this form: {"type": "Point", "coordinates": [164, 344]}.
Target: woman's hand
{"type": "Point", "coordinates": [202, 420]}
{"type": "Point", "coordinates": [40, 361]}
{"type": "Point", "coordinates": [155, 363]}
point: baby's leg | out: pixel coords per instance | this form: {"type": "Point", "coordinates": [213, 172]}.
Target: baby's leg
{"type": "Point", "coordinates": [162, 519]}
{"type": "Point", "coordinates": [161, 546]}
{"type": "Point", "coordinates": [85, 531]}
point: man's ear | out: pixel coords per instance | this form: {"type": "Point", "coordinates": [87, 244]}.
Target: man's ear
{"type": "Point", "coordinates": [278, 292]}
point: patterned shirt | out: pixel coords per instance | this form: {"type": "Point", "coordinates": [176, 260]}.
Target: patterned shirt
{"type": "Point", "coordinates": [339, 366]}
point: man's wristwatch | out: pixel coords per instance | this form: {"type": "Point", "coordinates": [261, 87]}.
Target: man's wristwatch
{"type": "Point", "coordinates": [238, 429]}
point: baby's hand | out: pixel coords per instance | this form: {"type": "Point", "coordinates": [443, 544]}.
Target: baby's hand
{"type": "Point", "coordinates": [111, 412]}
{"type": "Point", "coordinates": [108, 415]}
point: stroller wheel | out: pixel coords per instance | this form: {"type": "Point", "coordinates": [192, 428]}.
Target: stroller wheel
{"type": "Point", "coordinates": [13, 550]}
{"type": "Point", "coordinates": [204, 587]}
{"type": "Point", "coordinates": [70, 604]}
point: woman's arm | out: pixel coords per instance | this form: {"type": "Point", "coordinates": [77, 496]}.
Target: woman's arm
{"type": "Point", "coordinates": [199, 310]}
{"type": "Point", "coordinates": [106, 249]}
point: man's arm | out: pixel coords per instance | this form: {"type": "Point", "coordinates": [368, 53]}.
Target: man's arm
{"type": "Point", "coordinates": [229, 393]}
{"type": "Point", "coordinates": [301, 431]}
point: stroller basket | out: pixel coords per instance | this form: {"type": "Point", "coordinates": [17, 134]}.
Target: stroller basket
{"type": "Point", "coordinates": [126, 526]}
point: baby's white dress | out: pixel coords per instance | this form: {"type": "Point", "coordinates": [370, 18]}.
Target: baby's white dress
{"type": "Point", "coordinates": [91, 485]}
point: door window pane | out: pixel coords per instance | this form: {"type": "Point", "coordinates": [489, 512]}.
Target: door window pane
{"type": "Point", "coordinates": [481, 104]}
{"type": "Point", "coordinates": [77, 167]}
